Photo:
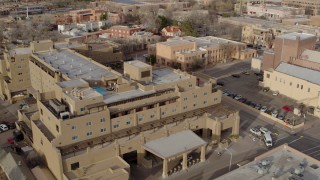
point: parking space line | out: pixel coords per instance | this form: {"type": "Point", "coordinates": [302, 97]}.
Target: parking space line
{"type": "Point", "coordinates": [310, 148]}
{"type": "Point", "coordinates": [313, 152]}
{"type": "Point", "coordinates": [295, 140]}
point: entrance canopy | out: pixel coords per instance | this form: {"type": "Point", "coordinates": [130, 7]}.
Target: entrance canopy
{"type": "Point", "coordinates": [175, 144]}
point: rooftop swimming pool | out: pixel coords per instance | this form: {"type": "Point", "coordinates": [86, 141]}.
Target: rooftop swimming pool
{"type": "Point", "coordinates": [101, 90]}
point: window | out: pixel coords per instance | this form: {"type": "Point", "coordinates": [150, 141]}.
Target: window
{"type": "Point", "coordinates": [74, 166]}
{"type": "Point", "coordinates": [140, 118]}
{"type": "Point", "coordinates": [20, 74]}
{"type": "Point", "coordinates": [205, 102]}
{"type": "Point", "coordinates": [190, 85]}
{"type": "Point", "coordinates": [185, 99]}
{"type": "Point", "coordinates": [102, 120]}
{"type": "Point", "coordinates": [301, 86]}
{"type": "Point", "coordinates": [163, 113]}
{"type": "Point", "coordinates": [308, 89]}
{"type": "Point", "coordinates": [195, 96]}
{"type": "Point", "coordinates": [103, 129]}
{"type": "Point", "coordinates": [89, 133]}
{"type": "Point", "coordinates": [19, 67]}
{"type": "Point", "coordinates": [145, 74]}
{"type": "Point", "coordinates": [128, 122]}
{"type": "Point", "coordinates": [290, 83]}
{"type": "Point", "coordinates": [73, 127]}
{"type": "Point", "coordinates": [20, 80]}
{"type": "Point", "coordinates": [116, 126]}
{"type": "Point", "coordinates": [57, 128]}
{"type": "Point", "coordinates": [205, 93]}
{"type": "Point", "coordinates": [88, 123]}
{"type": "Point", "coordinates": [152, 116]}
{"type": "Point", "coordinates": [194, 105]}
{"type": "Point", "coordinates": [82, 109]}
{"type": "Point", "coordinates": [74, 138]}
{"type": "Point", "coordinates": [297, 85]}
{"type": "Point", "coordinates": [174, 110]}
{"type": "Point", "coordinates": [185, 107]}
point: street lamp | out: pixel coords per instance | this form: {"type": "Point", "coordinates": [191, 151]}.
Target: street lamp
{"type": "Point", "coordinates": [230, 158]}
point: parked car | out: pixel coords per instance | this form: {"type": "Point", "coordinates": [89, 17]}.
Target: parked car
{"type": "Point", "coordinates": [236, 75]}
{"type": "Point", "coordinates": [243, 100]}
{"type": "Point", "coordinates": [258, 106]}
{"type": "Point", "coordinates": [260, 78]}
{"type": "Point", "coordinates": [266, 89]}
{"type": "Point", "coordinates": [4, 127]}
{"type": "Point", "coordinates": [281, 117]}
{"type": "Point", "coordinates": [220, 83]}
{"type": "Point", "coordinates": [248, 103]}
{"type": "Point", "coordinates": [275, 93]}
{"type": "Point", "coordinates": [264, 130]}
{"type": "Point", "coordinates": [253, 105]}
{"type": "Point", "coordinates": [264, 109]}
{"type": "Point", "coordinates": [238, 97]}
{"type": "Point", "coordinates": [274, 113]}
{"type": "Point", "coordinates": [255, 131]}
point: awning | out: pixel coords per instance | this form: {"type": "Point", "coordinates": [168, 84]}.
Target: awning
{"type": "Point", "coordinates": [175, 144]}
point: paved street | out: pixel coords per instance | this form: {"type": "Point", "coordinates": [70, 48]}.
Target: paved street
{"type": "Point", "coordinates": [222, 70]}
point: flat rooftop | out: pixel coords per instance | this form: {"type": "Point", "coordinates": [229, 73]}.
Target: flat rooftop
{"type": "Point", "coordinates": [174, 144]}
{"type": "Point", "coordinates": [75, 65]}
{"type": "Point", "coordinates": [176, 42]}
{"type": "Point", "coordinates": [115, 97]}
{"type": "Point", "coordinates": [166, 75]}
{"type": "Point", "coordinates": [73, 83]}
{"type": "Point", "coordinates": [295, 35]}
{"type": "Point", "coordinates": [110, 168]}
{"type": "Point", "coordinates": [310, 55]}
{"type": "Point", "coordinates": [20, 51]}
{"type": "Point", "coordinates": [138, 64]}
{"type": "Point", "coordinates": [282, 162]}
{"type": "Point", "coordinates": [299, 72]}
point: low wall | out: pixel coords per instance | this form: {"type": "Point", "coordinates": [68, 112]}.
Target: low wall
{"type": "Point", "coordinates": [268, 118]}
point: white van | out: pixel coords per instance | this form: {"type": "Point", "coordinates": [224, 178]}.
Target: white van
{"type": "Point", "coordinates": [267, 139]}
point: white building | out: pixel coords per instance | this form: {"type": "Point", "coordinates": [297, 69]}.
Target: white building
{"type": "Point", "coordinates": [273, 11]}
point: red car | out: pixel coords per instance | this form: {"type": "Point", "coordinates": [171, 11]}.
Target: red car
{"type": "Point", "coordinates": [287, 108]}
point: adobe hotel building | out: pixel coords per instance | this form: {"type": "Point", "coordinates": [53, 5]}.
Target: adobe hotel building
{"type": "Point", "coordinates": [89, 118]}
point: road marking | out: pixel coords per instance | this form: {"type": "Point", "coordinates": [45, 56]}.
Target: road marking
{"type": "Point", "coordinates": [243, 123]}
{"type": "Point", "coordinates": [295, 140]}
{"type": "Point", "coordinates": [313, 152]}
{"type": "Point", "coordinates": [280, 139]}
{"type": "Point", "coordinates": [311, 148]}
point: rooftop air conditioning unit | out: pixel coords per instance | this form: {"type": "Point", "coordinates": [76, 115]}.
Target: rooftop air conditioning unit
{"type": "Point", "coordinates": [65, 115]}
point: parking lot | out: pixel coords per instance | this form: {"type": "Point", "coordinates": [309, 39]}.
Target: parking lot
{"type": "Point", "coordinates": [246, 86]}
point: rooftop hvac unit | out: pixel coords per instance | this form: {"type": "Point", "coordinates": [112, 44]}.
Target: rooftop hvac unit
{"type": "Point", "coordinates": [65, 115]}
{"type": "Point", "coordinates": [56, 105]}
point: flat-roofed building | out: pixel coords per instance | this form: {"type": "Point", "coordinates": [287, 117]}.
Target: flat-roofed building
{"type": "Point", "coordinates": [288, 48]}
{"type": "Point", "coordinates": [188, 51]}
{"type": "Point", "coordinates": [14, 74]}
{"type": "Point", "coordinates": [89, 118]}
{"type": "Point", "coordinates": [312, 7]}
{"type": "Point", "coordinates": [270, 11]}
{"type": "Point", "coordinates": [296, 82]}
{"type": "Point", "coordinates": [262, 32]}
{"type": "Point", "coordinates": [283, 162]}
{"type": "Point", "coordinates": [123, 31]}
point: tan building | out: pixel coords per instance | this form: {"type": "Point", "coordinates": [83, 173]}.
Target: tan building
{"type": "Point", "coordinates": [315, 20]}
{"type": "Point", "coordinates": [283, 162]}
{"type": "Point", "coordinates": [296, 82]}
{"type": "Point", "coordinates": [293, 69]}
{"type": "Point", "coordinates": [14, 74]}
{"type": "Point", "coordinates": [312, 7]}
{"type": "Point", "coordinates": [288, 48]}
{"type": "Point", "coordinates": [91, 118]}
{"type": "Point", "coordinates": [258, 31]}
{"type": "Point", "coordinates": [188, 51]}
